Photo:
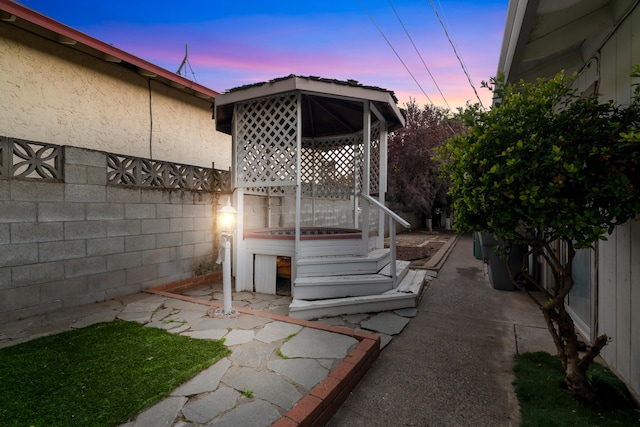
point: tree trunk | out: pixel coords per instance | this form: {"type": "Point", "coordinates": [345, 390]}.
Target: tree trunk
{"type": "Point", "coordinates": [561, 326]}
{"type": "Point", "coordinates": [429, 224]}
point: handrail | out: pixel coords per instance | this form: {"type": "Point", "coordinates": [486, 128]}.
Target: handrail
{"type": "Point", "coordinates": [392, 232]}
{"type": "Point", "coordinates": [388, 211]}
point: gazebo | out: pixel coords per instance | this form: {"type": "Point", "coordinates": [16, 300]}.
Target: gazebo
{"type": "Point", "coordinates": [309, 176]}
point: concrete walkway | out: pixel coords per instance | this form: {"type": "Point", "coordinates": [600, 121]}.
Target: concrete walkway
{"type": "Point", "coordinates": [452, 365]}
{"type": "Point", "coordinates": [446, 363]}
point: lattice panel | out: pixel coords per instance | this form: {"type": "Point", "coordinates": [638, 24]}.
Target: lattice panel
{"type": "Point", "coordinates": [266, 141]}
{"type": "Point", "coordinates": [27, 159]}
{"type": "Point", "coordinates": [328, 168]}
{"type": "Point", "coordinates": [374, 160]}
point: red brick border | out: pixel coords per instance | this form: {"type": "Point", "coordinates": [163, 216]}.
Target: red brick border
{"type": "Point", "coordinates": [316, 408]}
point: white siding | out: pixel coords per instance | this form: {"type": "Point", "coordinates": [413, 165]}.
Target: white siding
{"type": "Point", "coordinates": [619, 257]}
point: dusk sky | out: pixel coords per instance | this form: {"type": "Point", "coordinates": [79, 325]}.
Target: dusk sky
{"type": "Point", "coordinates": [239, 42]}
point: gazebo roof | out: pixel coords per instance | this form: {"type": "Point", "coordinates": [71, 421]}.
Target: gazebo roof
{"type": "Point", "coordinates": [329, 107]}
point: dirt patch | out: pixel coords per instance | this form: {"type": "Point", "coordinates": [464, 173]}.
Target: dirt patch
{"type": "Point", "coordinates": [419, 246]}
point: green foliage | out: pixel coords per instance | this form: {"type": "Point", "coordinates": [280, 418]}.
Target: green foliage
{"type": "Point", "coordinates": [101, 375]}
{"type": "Point", "coordinates": [414, 179]}
{"type": "Point", "coordinates": [544, 400]}
{"type": "Point", "coordinates": [545, 159]}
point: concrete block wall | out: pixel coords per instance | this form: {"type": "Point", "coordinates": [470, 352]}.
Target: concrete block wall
{"type": "Point", "coordinates": [82, 241]}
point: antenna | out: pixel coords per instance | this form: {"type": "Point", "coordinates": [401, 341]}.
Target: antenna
{"type": "Point", "coordinates": [184, 60]}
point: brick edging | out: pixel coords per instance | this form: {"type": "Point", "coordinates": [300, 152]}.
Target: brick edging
{"type": "Point", "coordinates": [317, 407]}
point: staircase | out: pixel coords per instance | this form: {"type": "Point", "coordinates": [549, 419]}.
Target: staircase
{"type": "Point", "coordinates": [334, 285]}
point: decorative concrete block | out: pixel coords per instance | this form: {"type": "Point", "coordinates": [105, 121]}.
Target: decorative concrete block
{"type": "Point", "coordinates": [61, 211]}
{"type": "Point", "coordinates": [108, 211]}
{"type": "Point", "coordinates": [85, 266]}
{"type": "Point", "coordinates": [155, 226]}
{"type": "Point", "coordinates": [139, 243]}
{"type": "Point", "coordinates": [28, 275]}
{"type": "Point", "coordinates": [110, 245]}
{"type": "Point", "coordinates": [85, 193]}
{"type": "Point", "coordinates": [15, 255]}
{"type": "Point", "coordinates": [30, 232]}
{"type": "Point", "coordinates": [37, 191]}
{"type": "Point", "coordinates": [12, 211]}
{"type": "Point", "coordinates": [68, 249]}
{"type": "Point", "coordinates": [76, 230]}
{"type": "Point", "coordinates": [124, 261]}
{"type": "Point", "coordinates": [124, 227]}
{"type": "Point", "coordinates": [140, 211]}
{"type": "Point", "coordinates": [123, 194]}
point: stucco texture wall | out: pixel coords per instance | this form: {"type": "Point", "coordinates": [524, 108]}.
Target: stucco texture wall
{"type": "Point", "coordinates": [61, 96]}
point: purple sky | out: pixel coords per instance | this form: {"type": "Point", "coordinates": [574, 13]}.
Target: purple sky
{"type": "Point", "coordinates": [239, 42]}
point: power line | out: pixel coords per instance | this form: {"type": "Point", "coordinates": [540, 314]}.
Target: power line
{"type": "Point", "coordinates": [464, 68]}
{"type": "Point", "coordinates": [394, 50]}
{"type": "Point", "coordinates": [418, 52]}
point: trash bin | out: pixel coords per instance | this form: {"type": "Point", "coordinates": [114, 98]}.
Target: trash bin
{"type": "Point", "coordinates": [477, 247]}
{"type": "Point", "coordinates": [497, 266]}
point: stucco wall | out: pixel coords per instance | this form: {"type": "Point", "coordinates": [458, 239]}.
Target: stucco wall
{"type": "Point", "coordinates": [62, 96]}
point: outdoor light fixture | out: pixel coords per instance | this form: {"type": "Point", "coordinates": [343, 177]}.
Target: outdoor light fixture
{"type": "Point", "coordinates": [226, 219]}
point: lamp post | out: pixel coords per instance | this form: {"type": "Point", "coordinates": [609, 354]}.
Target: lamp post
{"type": "Point", "coordinates": [226, 219]}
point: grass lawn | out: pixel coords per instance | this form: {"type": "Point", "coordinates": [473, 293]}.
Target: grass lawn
{"type": "Point", "coordinates": [100, 375]}
{"type": "Point", "coordinates": [545, 402]}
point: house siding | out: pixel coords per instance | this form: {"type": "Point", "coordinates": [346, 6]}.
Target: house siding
{"type": "Point", "coordinates": [618, 294]}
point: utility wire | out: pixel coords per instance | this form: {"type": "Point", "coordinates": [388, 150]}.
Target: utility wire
{"type": "Point", "coordinates": [418, 52]}
{"type": "Point", "coordinates": [464, 68]}
{"type": "Point", "coordinates": [394, 50]}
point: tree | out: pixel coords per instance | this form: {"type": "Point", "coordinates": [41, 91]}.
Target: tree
{"type": "Point", "coordinates": [545, 165]}
{"type": "Point", "coordinates": [414, 178]}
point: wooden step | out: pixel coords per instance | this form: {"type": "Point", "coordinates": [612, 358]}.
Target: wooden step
{"type": "Point", "coordinates": [348, 285]}
{"type": "Point", "coordinates": [406, 295]}
{"type": "Point", "coordinates": [372, 263]}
